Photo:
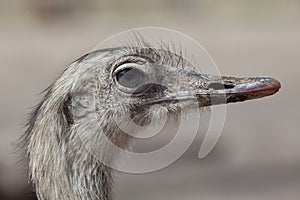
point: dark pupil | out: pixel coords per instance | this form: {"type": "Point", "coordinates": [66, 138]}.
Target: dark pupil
{"type": "Point", "coordinates": [131, 78]}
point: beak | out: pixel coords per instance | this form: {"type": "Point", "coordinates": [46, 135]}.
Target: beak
{"type": "Point", "coordinates": [222, 90]}
{"type": "Point", "coordinates": [210, 90]}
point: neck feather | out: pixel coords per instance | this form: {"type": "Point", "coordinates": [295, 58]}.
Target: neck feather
{"type": "Point", "coordinates": [59, 165]}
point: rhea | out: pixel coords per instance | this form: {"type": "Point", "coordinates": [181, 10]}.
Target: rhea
{"type": "Point", "coordinates": [95, 92]}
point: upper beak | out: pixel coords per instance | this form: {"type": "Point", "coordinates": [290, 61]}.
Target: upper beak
{"type": "Point", "coordinates": [222, 90]}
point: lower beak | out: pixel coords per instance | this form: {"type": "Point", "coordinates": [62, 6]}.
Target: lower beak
{"type": "Point", "coordinates": [225, 89]}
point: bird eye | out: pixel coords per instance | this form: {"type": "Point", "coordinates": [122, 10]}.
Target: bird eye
{"type": "Point", "coordinates": [130, 77]}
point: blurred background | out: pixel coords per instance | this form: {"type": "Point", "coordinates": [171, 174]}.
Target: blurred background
{"type": "Point", "coordinates": [257, 156]}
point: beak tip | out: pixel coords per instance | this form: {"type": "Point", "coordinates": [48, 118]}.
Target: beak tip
{"type": "Point", "coordinates": [276, 83]}
{"type": "Point", "coordinates": [258, 87]}
{"type": "Point", "coordinates": [273, 85]}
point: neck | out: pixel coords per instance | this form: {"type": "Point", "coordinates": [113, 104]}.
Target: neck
{"type": "Point", "coordinates": [61, 171]}
{"type": "Point", "coordinates": [59, 165]}
{"type": "Point", "coordinates": [62, 178]}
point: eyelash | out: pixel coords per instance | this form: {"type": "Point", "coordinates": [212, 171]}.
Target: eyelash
{"type": "Point", "coordinates": [118, 63]}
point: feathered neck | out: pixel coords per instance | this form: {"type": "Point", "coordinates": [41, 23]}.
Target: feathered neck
{"type": "Point", "coordinates": [58, 164]}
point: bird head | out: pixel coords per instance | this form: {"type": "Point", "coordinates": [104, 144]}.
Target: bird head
{"type": "Point", "coordinates": [104, 91]}
{"type": "Point", "coordinates": [131, 81]}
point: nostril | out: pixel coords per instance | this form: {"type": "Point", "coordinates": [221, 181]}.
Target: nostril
{"type": "Point", "coordinates": [220, 86]}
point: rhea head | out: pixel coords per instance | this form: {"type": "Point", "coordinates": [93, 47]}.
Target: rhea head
{"type": "Point", "coordinates": [129, 81]}
{"type": "Point", "coordinates": [104, 89]}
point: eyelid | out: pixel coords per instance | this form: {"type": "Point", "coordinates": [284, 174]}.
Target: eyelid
{"type": "Point", "coordinates": [130, 60]}
{"type": "Point", "coordinates": [126, 66]}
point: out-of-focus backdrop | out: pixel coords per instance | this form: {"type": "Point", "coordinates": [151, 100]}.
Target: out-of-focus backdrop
{"type": "Point", "coordinates": [258, 154]}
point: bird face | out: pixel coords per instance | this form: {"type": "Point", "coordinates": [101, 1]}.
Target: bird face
{"type": "Point", "coordinates": [131, 80]}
